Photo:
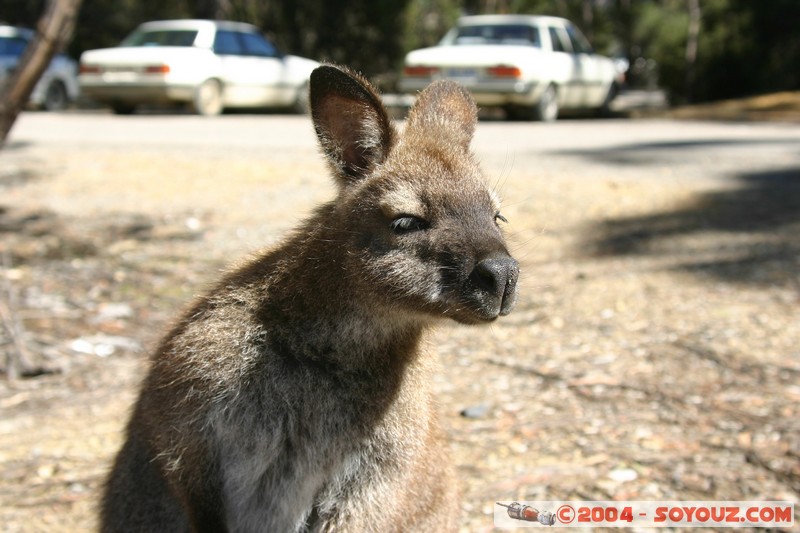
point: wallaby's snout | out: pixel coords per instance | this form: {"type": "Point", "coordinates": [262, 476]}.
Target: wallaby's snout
{"type": "Point", "coordinates": [495, 281]}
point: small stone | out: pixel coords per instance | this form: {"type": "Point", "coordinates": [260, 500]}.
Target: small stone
{"type": "Point", "coordinates": [622, 475]}
{"type": "Point", "coordinates": [475, 411]}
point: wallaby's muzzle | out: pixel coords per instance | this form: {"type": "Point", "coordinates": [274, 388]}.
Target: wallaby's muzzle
{"type": "Point", "coordinates": [497, 276]}
{"type": "Point", "coordinates": [492, 286]}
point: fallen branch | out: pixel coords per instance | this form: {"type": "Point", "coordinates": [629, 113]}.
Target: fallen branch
{"type": "Point", "coordinates": [18, 359]}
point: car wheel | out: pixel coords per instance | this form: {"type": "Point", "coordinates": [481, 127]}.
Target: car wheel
{"type": "Point", "coordinates": [605, 108]}
{"type": "Point", "coordinates": [56, 98]}
{"type": "Point", "coordinates": [516, 112]}
{"type": "Point", "coordinates": [123, 109]}
{"type": "Point", "coordinates": [546, 109]}
{"type": "Point", "coordinates": [208, 98]}
{"type": "Point", "coordinates": [301, 104]}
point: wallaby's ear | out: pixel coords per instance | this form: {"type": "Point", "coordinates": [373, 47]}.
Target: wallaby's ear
{"type": "Point", "coordinates": [352, 125]}
{"type": "Point", "coordinates": [444, 109]}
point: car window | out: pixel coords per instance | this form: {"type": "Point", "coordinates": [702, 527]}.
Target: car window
{"type": "Point", "coordinates": [517, 34]}
{"type": "Point", "coordinates": [579, 43]}
{"type": "Point", "coordinates": [256, 45]}
{"type": "Point", "coordinates": [556, 37]}
{"type": "Point", "coordinates": [160, 38]}
{"type": "Point", "coordinates": [12, 46]}
{"type": "Point", "coordinates": [227, 43]}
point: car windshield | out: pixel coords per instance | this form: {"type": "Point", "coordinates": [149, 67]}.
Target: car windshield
{"type": "Point", "coordinates": [512, 34]}
{"type": "Point", "coordinates": [160, 38]}
{"type": "Point", "coordinates": [12, 46]}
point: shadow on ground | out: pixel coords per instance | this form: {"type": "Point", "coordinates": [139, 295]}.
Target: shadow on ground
{"type": "Point", "coordinates": [665, 152]}
{"type": "Point", "coordinates": [745, 231]}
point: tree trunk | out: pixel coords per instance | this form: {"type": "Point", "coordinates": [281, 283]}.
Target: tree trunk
{"type": "Point", "coordinates": [691, 48]}
{"type": "Point", "coordinates": [587, 19]}
{"type": "Point", "coordinates": [53, 32]}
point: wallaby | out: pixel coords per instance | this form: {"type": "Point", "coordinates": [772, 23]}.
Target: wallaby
{"type": "Point", "coordinates": [294, 396]}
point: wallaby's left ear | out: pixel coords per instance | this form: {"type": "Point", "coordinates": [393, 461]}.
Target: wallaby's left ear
{"type": "Point", "coordinates": [352, 125]}
{"type": "Point", "coordinates": [444, 110]}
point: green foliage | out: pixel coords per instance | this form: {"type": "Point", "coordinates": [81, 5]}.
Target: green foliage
{"type": "Point", "coordinates": [726, 40]}
{"type": "Point", "coordinates": [660, 34]}
{"type": "Point", "coordinates": [744, 47]}
{"type": "Point", "coordinates": [21, 12]}
{"type": "Point", "coordinates": [365, 34]}
{"type": "Point", "coordinates": [773, 57]}
{"type": "Point", "coordinates": [104, 23]}
{"type": "Point", "coordinates": [426, 21]}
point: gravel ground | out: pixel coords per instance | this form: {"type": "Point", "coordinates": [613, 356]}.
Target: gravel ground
{"type": "Point", "coordinates": [654, 354]}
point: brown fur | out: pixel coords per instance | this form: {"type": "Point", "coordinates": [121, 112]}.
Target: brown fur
{"type": "Point", "coordinates": [294, 395]}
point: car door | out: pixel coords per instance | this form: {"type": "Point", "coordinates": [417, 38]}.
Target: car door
{"type": "Point", "coordinates": [565, 68]}
{"type": "Point", "coordinates": [252, 69]}
{"type": "Point", "coordinates": [591, 90]}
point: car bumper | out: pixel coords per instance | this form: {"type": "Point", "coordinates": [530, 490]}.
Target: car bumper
{"type": "Point", "coordinates": [485, 92]}
{"type": "Point", "coordinates": [137, 93]}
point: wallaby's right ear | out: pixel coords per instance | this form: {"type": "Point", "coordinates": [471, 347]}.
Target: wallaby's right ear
{"type": "Point", "coordinates": [352, 125]}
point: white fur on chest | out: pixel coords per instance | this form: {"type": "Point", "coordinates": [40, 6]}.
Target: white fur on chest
{"type": "Point", "coordinates": [267, 484]}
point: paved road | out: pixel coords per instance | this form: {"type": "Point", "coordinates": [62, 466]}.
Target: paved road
{"type": "Point", "coordinates": [702, 149]}
{"type": "Point", "coordinates": [169, 163]}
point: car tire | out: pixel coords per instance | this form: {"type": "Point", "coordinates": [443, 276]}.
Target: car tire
{"type": "Point", "coordinates": [301, 104]}
{"type": "Point", "coordinates": [208, 98]}
{"type": "Point", "coordinates": [605, 108]}
{"type": "Point", "coordinates": [56, 97]}
{"type": "Point", "coordinates": [123, 109]}
{"type": "Point", "coordinates": [517, 113]}
{"type": "Point", "coordinates": [546, 109]}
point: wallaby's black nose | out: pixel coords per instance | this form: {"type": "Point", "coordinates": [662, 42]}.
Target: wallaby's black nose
{"type": "Point", "coordinates": [497, 276]}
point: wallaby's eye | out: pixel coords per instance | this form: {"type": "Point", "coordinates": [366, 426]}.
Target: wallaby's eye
{"type": "Point", "coordinates": [408, 223]}
{"type": "Point", "coordinates": [500, 218]}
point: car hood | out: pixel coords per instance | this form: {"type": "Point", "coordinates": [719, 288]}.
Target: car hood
{"type": "Point", "coordinates": [472, 55]}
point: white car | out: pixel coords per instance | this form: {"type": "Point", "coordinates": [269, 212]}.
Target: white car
{"type": "Point", "coordinates": [212, 65]}
{"type": "Point", "coordinates": [58, 85]}
{"type": "Point", "coordinates": [532, 66]}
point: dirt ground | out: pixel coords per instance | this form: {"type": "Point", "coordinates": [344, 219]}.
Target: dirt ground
{"type": "Point", "coordinates": [776, 107]}
{"type": "Point", "coordinates": [654, 354]}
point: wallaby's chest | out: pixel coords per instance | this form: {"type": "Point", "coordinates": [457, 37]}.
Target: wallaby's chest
{"type": "Point", "coordinates": [276, 462]}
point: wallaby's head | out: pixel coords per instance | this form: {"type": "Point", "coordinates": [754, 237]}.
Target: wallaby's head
{"type": "Point", "coordinates": [418, 227]}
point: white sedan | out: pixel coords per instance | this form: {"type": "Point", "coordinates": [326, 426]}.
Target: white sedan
{"type": "Point", "coordinates": [531, 66]}
{"type": "Point", "coordinates": [211, 65]}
